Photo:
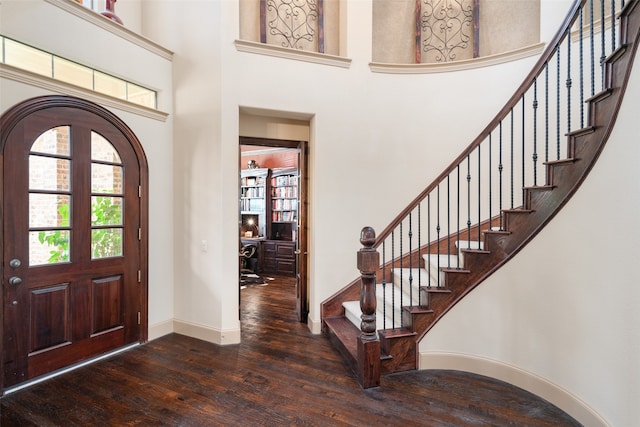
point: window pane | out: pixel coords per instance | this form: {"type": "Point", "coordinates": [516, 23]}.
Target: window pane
{"type": "Point", "coordinates": [106, 179]}
{"type": "Point", "coordinates": [54, 141]}
{"type": "Point", "coordinates": [141, 96]}
{"type": "Point", "coordinates": [109, 85]}
{"type": "Point", "coordinates": [49, 247]}
{"type": "Point", "coordinates": [49, 210]}
{"type": "Point", "coordinates": [106, 210]}
{"type": "Point", "coordinates": [70, 72]}
{"type": "Point", "coordinates": [106, 242]}
{"type": "Point", "coordinates": [102, 150]}
{"type": "Point", "coordinates": [27, 58]}
{"type": "Point", "coordinates": [46, 173]}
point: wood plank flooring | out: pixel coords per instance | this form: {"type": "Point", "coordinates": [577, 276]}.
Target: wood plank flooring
{"type": "Point", "coordinates": [280, 375]}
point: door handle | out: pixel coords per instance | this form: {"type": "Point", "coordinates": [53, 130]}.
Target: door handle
{"type": "Point", "coordinates": [15, 281]}
{"type": "Point", "coordinates": [15, 263]}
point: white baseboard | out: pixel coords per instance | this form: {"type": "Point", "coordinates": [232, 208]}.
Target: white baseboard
{"type": "Point", "coordinates": [315, 326]}
{"type": "Point", "coordinates": [206, 333]}
{"type": "Point", "coordinates": [539, 386]}
{"type": "Point", "coordinates": [160, 329]}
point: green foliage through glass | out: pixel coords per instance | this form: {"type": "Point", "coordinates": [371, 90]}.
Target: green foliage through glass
{"type": "Point", "coordinates": [105, 242]}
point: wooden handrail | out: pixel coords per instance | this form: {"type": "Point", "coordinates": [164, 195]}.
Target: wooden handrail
{"type": "Point", "coordinates": [538, 68]}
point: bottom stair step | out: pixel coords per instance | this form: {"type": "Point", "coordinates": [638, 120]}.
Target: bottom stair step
{"type": "Point", "coordinates": [344, 336]}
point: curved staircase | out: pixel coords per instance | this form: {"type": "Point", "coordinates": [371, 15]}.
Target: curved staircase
{"type": "Point", "coordinates": [418, 283]}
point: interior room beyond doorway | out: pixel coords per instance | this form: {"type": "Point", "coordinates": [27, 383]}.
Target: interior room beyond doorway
{"type": "Point", "coordinates": [269, 200]}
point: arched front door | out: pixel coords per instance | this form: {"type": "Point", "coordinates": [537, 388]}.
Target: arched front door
{"type": "Point", "coordinates": [73, 240]}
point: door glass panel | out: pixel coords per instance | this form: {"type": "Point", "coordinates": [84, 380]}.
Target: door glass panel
{"type": "Point", "coordinates": [48, 173]}
{"type": "Point", "coordinates": [106, 210]}
{"type": "Point", "coordinates": [49, 247]}
{"type": "Point", "coordinates": [102, 150]}
{"type": "Point", "coordinates": [49, 210]}
{"type": "Point", "coordinates": [54, 141]}
{"type": "Point", "coordinates": [106, 242]}
{"type": "Point", "coordinates": [106, 178]}
{"type": "Point", "coordinates": [49, 198]}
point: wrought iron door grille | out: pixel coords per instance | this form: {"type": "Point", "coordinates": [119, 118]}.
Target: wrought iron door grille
{"type": "Point", "coordinates": [295, 24]}
{"type": "Point", "coordinates": [447, 30]}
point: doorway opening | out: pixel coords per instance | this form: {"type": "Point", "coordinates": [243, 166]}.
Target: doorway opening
{"type": "Point", "coordinates": [272, 214]}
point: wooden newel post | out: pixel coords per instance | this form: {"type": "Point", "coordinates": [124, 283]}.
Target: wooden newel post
{"type": "Point", "coordinates": [368, 342]}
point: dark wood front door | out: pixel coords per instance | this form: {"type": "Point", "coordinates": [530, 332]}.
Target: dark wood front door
{"type": "Point", "coordinates": [71, 241]}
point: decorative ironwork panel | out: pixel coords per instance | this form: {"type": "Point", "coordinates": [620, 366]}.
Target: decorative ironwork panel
{"type": "Point", "coordinates": [447, 30]}
{"type": "Point", "coordinates": [295, 24]}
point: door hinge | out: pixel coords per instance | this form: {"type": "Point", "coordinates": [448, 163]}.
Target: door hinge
{"type": "Point", "coordinates": [140, 191]}
{"type": "Point", "coordinates": [139, 233]}
{"type": "Point", "coordinates": [138, 318]}
{"type": "Point", "coordinates": [139, 276]}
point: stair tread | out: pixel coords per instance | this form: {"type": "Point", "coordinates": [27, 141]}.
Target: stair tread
{"type": "Point", "coordinates": [568, 160]}
{"type": "Point", "coordinates": [397, 332]}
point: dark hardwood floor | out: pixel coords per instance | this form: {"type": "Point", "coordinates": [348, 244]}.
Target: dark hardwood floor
{"type": "Point", "coordinates": [279, 375]}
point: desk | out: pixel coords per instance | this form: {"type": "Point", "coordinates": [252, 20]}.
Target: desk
{"type": "Point", "coordinates": [279, 257]}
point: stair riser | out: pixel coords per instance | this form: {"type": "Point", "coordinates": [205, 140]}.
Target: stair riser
{"type": "Point", "coordinates": [403, 354]}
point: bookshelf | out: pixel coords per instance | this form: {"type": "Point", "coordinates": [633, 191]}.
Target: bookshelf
{"type": "Point", "coordinates": [269, 198]}
{"type": "Point", "coordinates": [284, 203]}
{"type": "Point", "coordinates": [253, 200]}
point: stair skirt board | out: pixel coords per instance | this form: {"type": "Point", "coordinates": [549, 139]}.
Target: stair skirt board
{"type": "Point", "coordinates": [518, 377]}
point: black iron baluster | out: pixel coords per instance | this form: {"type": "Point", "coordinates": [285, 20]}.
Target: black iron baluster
{"type": "Point", "coordinates": [410, 259]}
{"type": "Point", "coordinates": [581, 71]}
{"type": "Point", "coordinates": [558, 104]}
{"type": "Point", "coordinates": [438, 237]}
{"type": "Point", "coordinates": [592, 45]}
{"type": "Point", "coordinates": [429, 240]}
{"type": "Point", "coordinates": [419, 253]}
{"type": "Point", "coordinates": [384, 286]}
{"type": "Point", "coordinates": [535, 132]}
{"type": "Point", "coordinates": [393, 279]}
{"type": "Point", "coordinates": [511, 160]}
{"type": "Point", "coordinates": [401, 271]}
{"type": "Point", "coordinates": [490, 183]}
{"type": "Point", "coordinates": [480, 194]}
{"type": "Point", "coordinates": [500, 168]}
{"type": "Point", "coordinates": [458, 221]}
{"type": "Point", "coordinates": [546, 112]}
{"type": "Point", "coordinates": [613, 25]}
{"type": "Point", "coordinates": [602, 53]}
{"type": "Point", "coordinates": [523, 148]}
{"type": "Point", "coordinates": [449, 220]}
{"type": "Point", "coordinates": [569, 82]}
{"type": "Point", "coordinates": [468, 206]}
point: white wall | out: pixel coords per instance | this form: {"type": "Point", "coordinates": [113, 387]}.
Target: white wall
{"type": "Point", "coordinates": [355, 116]}
{"type": "Point", "coordinates": [561, 319]}
{"type": "Point", "coordinates": [51, 28]}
